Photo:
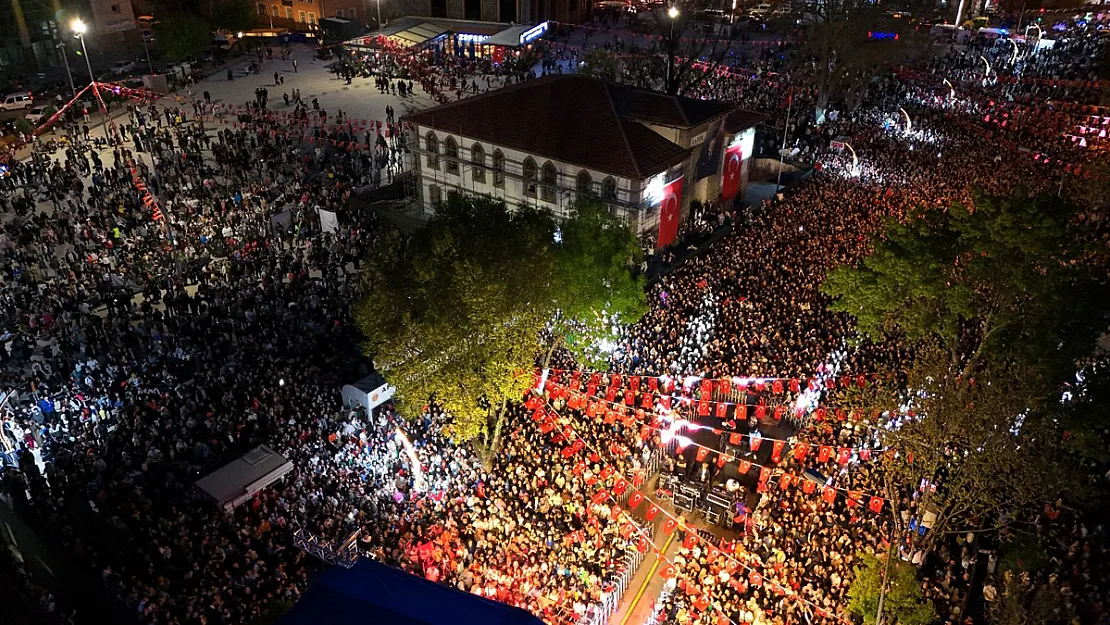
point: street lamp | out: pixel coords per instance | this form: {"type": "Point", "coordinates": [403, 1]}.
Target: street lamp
{"type": "Point", "coordinates": [79, 29]}
{"type": "Point", "coordinates": [673, 14]}
{"type": "Point", "coordinates": [65, 59]}
{"type": "Point", "coordinates": [146, 47]}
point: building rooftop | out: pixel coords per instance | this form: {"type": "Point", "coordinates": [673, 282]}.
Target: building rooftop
{"type": "Point", "coordinates": [583, 121]}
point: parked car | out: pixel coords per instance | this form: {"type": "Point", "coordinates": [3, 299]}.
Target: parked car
{"type": "Point", "coordinates": [760, 9]}
{"type": "Point", "coordinates": [37, 114]}
{"type": "Point", "coordinates": [123, 67]}
{"type": "Point", "coordinates": [17, 101]}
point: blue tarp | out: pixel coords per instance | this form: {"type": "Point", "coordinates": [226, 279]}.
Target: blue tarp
{"type": "Point", "coordinates": [372, 593]}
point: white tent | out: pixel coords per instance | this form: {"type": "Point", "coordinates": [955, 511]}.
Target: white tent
{"type": "Point", "coordinates": [236, 482]}
{"type": "Point", "coordinates": [369, 392]}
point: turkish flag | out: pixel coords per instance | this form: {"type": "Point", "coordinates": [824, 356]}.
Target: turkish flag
{"type": "Point", "coordinates": [669, 526]}
{"type": "Point", "coordinates": [652, 512]}
{"type": "Point", "coordinates": [670, 213]}
{"type": "Point", "coordinates": [668, 572]}
{"type": "Point", "coordinates": [876, 505]}
{"type": "Point", "coordinates": [635, 500]}
{"type": "Point", "coordinates": [689, 541]}
{"type": "Point", "coordinates": [829, 494]}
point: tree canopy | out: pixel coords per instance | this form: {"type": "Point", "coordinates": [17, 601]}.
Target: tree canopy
{"type": "Point", "coordinates": [234, 15]}
{"type": "Point", "coordinates": [1002, 306]}
{"type": "Point", "coordinates": [182, 35]}
{"type": "Point", "coordinates": [1010, 276]}
{"type": "Point", "coordinates": [904, 603]}
{"type": "Point", "coordinates": [457, 310]}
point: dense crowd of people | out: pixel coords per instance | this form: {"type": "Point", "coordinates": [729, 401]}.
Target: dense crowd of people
{"type": "Point", "coordinates": [143, 349]}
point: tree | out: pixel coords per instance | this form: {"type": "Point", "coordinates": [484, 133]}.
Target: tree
{"type": "Point", "coordinates": [1011, 276]}
{"type": "Point", "coordinates": [1001, 305]}
{"type": "Point", "coordinates": [594, 291]}
{"type": "Point", "coordinates": [686, 63]}
{"type": "Point", "coordinates": [903, 604]}
{"type": "Point", "coordinates": [1022, 603]}
{"type": "Point", "coordinates": [601, 63]}
{"type": "Point", "coordinates": [456, 311]}
{"type": "Point", "coordinates": [845, 55]}
{"type": "Point", "coordinates": [183, 35]}
{"type": "Point", "coordinates": [234, 15]}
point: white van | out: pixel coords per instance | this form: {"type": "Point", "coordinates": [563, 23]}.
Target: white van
{"type": "Point", "coordinates": [17, 101]}
{"type": "Point", "coordinates": [760, 9]}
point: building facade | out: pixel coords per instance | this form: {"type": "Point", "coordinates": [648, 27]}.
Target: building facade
{"type": "Point", "coordinates": [505, 11]}
{"type": "Point", "coordinates": [555, 140]}
{"type": "Point", "coordinates": [306, 14]}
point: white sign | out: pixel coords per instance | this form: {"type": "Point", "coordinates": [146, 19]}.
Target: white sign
{"type": "Point", "coordinates": [533, 33]}
{"type": "Point", "coordinates": [470, 37]}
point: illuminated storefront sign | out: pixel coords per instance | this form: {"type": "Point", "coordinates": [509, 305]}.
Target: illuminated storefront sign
{"type": "Point", "coordinates": [471, 38]}
{"type": "Point", "coordinates": [533, 33]}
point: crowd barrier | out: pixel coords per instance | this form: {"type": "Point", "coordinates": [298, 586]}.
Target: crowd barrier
{"type": "Point", "coordinates": [616, 584]}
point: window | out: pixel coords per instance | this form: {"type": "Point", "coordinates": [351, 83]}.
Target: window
{"type": "Point", "coordinates": [288, 13]}
{"type": "Point", "coordinates": [432, 146]}
{"type": "Point", "coordinates": [439, 8]}
{"type": "Point", "coordinates": [352, 13]}
{"type": "Point", "coordinates": [609, 188]}
{"type": "Point", "coordinates": [301, 16]}
{"type": "Point", "coordinates": [433, 194]}
{"type": "Point", "coordinates": [478, 159]}
{"type": "Point", "coordinates": [339, 13]}
{"type": "Point", "coordinates": [274, 10]}
{"type": "Point", "coordinates": [498, 169]}
{"type": "Point", "coordinates": [550, 178]}
{"type": "Point", "coordinates": [262, 8]}
{"type": "Point", "coordinates": [311, 18]}
{"type": "Point", "coordinates": [584, 183]}
{"type": "Point", "coordinates": [451, 154]}
{"type": "Point", "coordinates": [472, 9]}
{"type": "Point", "coordinates": [115, 8]}
{"type": "Point", "coordinates": [529, 177]}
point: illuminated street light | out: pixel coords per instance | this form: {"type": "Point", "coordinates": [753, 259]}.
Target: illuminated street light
{"type": "Point", "coordinates": [672, 12]}
{"type": "Point", "coordinates": [79, 29]}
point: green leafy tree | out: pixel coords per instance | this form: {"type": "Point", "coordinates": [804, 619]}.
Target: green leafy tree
{"type": "Point", "coordinates": [1012, 277]}
{"type": "Point", "coordinates": [1021, 602]}
{"type": "Point", "coordinates": [234, 15]}
{"type": "Point", "coordinates": [182, 35]}
{"type": "Point", "coordinates": [903, 604]}
{"type": "Point", "coordinates": [456, 311]}
{"type": "Point", "coordinates": [594, 292]}
{"type": "Point", "coordinates": [601, 63]}
{"type": "Point", "coordinates": [1001, 304]}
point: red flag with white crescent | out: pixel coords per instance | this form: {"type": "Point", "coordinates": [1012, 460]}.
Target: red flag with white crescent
{"type": "Point", "coordinates": [670, 213]}
{"type": "Point", "coordinates": [730, 183]}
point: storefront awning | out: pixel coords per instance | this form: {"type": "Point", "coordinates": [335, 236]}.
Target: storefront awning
{"type": "Point", "coordinates": [516, 36]}
{"type": "Point", "coordinates": [405, 32]}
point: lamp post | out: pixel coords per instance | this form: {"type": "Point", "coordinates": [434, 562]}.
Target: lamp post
{"type": "Point", "coordinates": [673, 14]}
{"type": "Point", "coordinates": [146, 47]}
{"type": "Point", "coordinates": [65, 59]}
{"type": "Point", "coordinates": [79, 30]}
{"type": "Point", "coordinates": [379, 17]}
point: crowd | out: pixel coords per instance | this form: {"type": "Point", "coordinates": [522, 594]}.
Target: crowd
{"type": "Point", "coordinates": [143, 351]}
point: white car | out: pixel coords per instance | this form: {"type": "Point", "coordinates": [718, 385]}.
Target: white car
{"type": "Point", "coordinates": [35, 116]}
{"type": "Point", "coordinates": [123, 67]}
{"type": "Point", "coordinates": [760, 9]}
{"type": "Point", "coordinates": [16, 101]}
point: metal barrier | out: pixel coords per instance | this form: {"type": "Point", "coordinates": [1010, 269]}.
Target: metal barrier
{"type": "Point", "coordinates": [615, 585]}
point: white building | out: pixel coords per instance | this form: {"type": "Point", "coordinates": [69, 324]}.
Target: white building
{"type": "Point", "coordinates": [549, 141]}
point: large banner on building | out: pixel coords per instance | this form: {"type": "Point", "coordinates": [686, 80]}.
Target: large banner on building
{"type": "Point", "coordinates": [730, 183]}
{"type": "Point", "coordinates": [670, 213]}
{"type": "Point", "coordinates": [709, 158]}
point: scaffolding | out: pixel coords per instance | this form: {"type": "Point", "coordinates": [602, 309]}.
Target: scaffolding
{"type": "Point", "coordinates": [344, 554]}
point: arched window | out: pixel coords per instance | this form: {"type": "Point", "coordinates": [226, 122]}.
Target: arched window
{"type": "Point", "coordinates": [584, 183]}
{"type": "Point", "coordinates": [432, 147]}
{"type": "Point", "coordinates": [434, 194]}
{"type": "Point", "coordinates": [529, 177]}
{"type": "Point", "coordinates": [478, 160]}
{"type": "Point", "coordinates": [451, 154]}
{"type": "Point", "coordinates": [498, 169]}
{"type": "Point", "coordinates": [550, 179]}
{"type": "Point", "coordinates": [262, 8]}
{"type": "Point", "coordinates": [609, 188]}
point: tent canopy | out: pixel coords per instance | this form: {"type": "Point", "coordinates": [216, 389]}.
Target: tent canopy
{"type": "Point", "coordinates": [372, 592]}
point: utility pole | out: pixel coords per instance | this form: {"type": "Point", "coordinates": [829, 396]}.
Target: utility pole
{"type": "Point", "coordinates": [65, 59]}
